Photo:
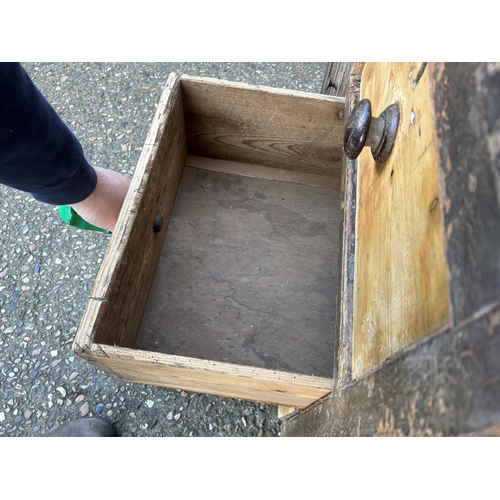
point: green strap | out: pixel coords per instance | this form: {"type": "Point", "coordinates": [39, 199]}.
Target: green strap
{"type": "Point", "coordinates": [69, 216]}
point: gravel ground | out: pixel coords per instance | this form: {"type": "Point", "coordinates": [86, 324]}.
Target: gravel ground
{"type": "Point", "coordinates": [47, 269]}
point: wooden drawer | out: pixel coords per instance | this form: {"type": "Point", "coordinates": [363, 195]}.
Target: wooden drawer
{"type": "Point", "coordinates": [221, 276]}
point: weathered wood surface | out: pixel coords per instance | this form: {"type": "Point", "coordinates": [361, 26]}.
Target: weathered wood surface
{"type": "Point", "coordinates": [208, 377]}
{"type": "Point", "coordinates": [347, 239]}
{"type": "Point", "coordinates": [400, 284]}
{"type": "Point", "coordinates": [285, 129]}
{"type": "Point", "coordinates": [108, 332]}
{"type": "Point", "coordinates": [247, 275]}
{"type": "Point", "coordinates": [261, 172]}
{"type": "Point", "coordinates": [469, 95]}
{"type": "Point", "coordinates": [447, 387]}
{"type": "Point", "coordinates": [114, 311]}
{"type": "Point", "coordinates": [447, 383]}
{"type": "Point", "coordinates": [337, 78]}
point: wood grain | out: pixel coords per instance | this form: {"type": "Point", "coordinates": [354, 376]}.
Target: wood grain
{"type": "Point", "coordinates": [114, 311]}
{"type": "Point", "coordinates": [247, 275]}
{"type": "Point", "coordinates": [262, 172]}
{"type": "Point", "coordinates": [278, 128]}
{"type": "Point", "coordinates": [345, 292]}
{"type": "Point", "coordinates": [448, 386]}
{"type": "Point", "coordinates": [400, 285]}
{"type": "Point", "coordinates": [108, 331]}
{"type": "Point", "coordinates": [209, 377]}
{"type": "Point", "coordinates": [467, 94]}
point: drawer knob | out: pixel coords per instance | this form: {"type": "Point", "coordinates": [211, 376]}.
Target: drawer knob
{"type": "Point", "coordinates": [362, 129]}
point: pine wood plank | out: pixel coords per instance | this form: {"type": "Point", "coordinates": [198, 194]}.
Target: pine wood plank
{"type": "Point", "coordinates": [114, 311]}
{"type": "Point", "coordinates": [400, 284]}
{"type": "Point", "coordinates": [284, 411]}
{"type": "Point", "coordinates": [247, 274]}
{"type": "Point", "coordinates": [209, 377]}
{"type": "Point", "coordinates": [278, 128]}
{"type": "Point", "coordinates": [262, 172]}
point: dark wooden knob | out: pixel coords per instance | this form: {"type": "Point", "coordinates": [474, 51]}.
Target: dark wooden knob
{"type": "Point", "coordinates": [362, 129]}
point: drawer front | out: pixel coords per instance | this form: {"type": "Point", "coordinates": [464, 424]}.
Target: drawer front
{"type": "Point", "coordinates": [400, 282]}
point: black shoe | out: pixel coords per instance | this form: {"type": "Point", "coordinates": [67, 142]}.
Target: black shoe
{"type": "Point", "coordinates": [84, 427]}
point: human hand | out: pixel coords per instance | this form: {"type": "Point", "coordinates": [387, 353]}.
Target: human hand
{"type": "Point", "coordinates": [103, 206]}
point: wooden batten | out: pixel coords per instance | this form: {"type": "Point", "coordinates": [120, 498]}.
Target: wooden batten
{"type": "Point", "coordinates": [278, 128]}
{"type": "Point", "coordinates": [262, 172]}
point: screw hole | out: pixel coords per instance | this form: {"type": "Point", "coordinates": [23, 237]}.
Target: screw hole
{"type": "Point", "coordinates": [157, 223]}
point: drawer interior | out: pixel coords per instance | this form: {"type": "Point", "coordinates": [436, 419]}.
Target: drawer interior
{"type": "Point", "coordinates": [247, 274]}
{"type": "Point", "coordinates": [244, 270]}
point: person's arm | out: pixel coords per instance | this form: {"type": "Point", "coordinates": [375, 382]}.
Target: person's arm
{"type": "Point", "coordinates": [40, 155]}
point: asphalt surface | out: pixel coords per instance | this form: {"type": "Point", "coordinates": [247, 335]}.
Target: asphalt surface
{"type": "Point", "coordinates": [47, 269]}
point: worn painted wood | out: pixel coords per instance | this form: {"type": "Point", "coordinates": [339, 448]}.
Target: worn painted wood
{"type": "Point", "coordinates": [261, 172]}
{"type": "Point", "coordinates": [345, 293]}
{"type": "Point", "coordinates": [247, 275]}
{"type": "Point", "coordinates": [400, 285]}
{"type": "Point", "coordinates": [114, 311]}
{"type": "Point", "coordinates": [445, 384]}
{"type": "Point", "coordinates": [279, 128]}
{"type": "Point", "coordinates": [208, 377]}
{"type": "Point", "coordinates": [448, 386]}
{"type": "Point", "coordinates": [337, 78]}
{"type": "Point", "coordinates": [469, 95]}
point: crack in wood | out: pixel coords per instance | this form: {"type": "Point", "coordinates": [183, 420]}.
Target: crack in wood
{"type": "Point", "coordinates": [419, 75]}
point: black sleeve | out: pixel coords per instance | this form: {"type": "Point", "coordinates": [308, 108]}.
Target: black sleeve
{"type": "Point", "coordinates": [38, 153]}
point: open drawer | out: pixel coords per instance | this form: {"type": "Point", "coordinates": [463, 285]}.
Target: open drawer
{"type": "Point", "coordinates": [221, 275]}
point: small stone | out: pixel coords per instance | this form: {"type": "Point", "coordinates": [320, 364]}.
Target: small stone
{"type": "Point", "coordinates": [99, 408]}
{"type": "Point", "coordinates": [2, 416]}
{"type": "Point", "coordinates": [184, 394]}
{"type": "Point", "coordinates": [209, 407]}
{"type": "Point", "coordinates": [177, 416]}
{"type": "Point", "coordinates": [54, 353]}
{"type": "Point", "coordinates": [27, 414]}
{"type": "Point", "coordinates": [84, 409]}
{"type": "Point", "coordinates": [110, 413]}
{"type": "Point", "coordinates": [62, 391]}
{"type": "Point", "coordinates": [149, 403]}
{"type": "Point", "coordinates": [79, 398]}
{"type": "Point", "coordinates": [73, 375]}
{"type": "Point", "coordinates": [170, 415]}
